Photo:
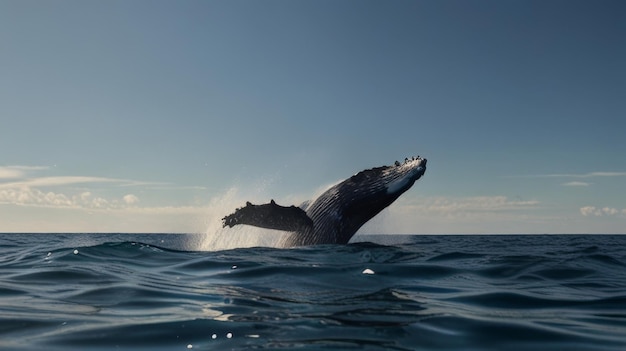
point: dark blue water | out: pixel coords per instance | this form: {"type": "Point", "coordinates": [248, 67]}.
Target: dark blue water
{"type": "Point", "coordinates": [153, 292]}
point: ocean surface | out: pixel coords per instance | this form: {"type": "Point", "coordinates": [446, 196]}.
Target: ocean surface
{"type": "Point", "coordinates": [155, 292]}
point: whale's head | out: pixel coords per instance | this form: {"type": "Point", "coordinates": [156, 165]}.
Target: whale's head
{"type": "Point", "coordinates": [368, 192]}
{"type": "Point", "coordinates": [401, 176]}
{"type": "Point", "coordinates": [386, 181]}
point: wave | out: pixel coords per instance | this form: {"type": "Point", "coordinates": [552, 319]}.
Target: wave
{"type": "Point", "coordinates": [430, 293]}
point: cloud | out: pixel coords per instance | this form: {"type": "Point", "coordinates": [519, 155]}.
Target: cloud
{"type": "Point", "coordinates": [85, 196]}
{"type": "Point", "coordinates": [9, 173]}
{"type": "Point", "coordinates": [587, 210]}
{"type": "Point", "coordinates": [25, 196]}
{"type": "Point", "coordinates": [57, 192]}
{"type": "Point", "coordinates": [30, 197]}
{"type": "Point", "coordinates": [58, 181]}
{"type": "Point", "coordinates": [444, 213]}
{"type": "Point", "coordinates": [447, 215]}
{"type": "Point", "coordinates": [598, 212]}
{"type": "Point", "coordinates": [83, 203]}
{"type": "Point", "coordinates": [474, 204]}
{"type": "Point", "coordinates": [577, 175]}
{"type": "Point", "coordinates": [172, 187]}
{"type": "Point", "coordinates": [130, 199]}
{"type": "Point", "coordinates": [71, 180]}
{"type": "Point", "coordinates": [603, 174]}
{"type": "Point", "coordinates": [34, 197]}
{"type": "Point", "coordinates": [576, 183]}
{"type": "Point", "coordinates": [19, 176]}
{"type": "Point", "coordinates": [14, 172]}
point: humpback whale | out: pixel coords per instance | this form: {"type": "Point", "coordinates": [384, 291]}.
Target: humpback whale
{"type": "Point", "coordinates": [336, 215]}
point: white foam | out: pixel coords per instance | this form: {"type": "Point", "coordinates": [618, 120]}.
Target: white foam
{"type": "Point", "coordinates": [218, 238]}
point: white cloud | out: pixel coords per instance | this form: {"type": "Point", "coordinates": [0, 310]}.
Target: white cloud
{"type": "Point", "coordinates": [34, 197]}
{"type": "Point", "coordinates": [603, 174]}
{"type": "Point", "coordinates": [100, 203]}
{"type": "Point", "coordinates": [10, 173]}
{"type": "Point", "coordinates": [165, 210]}
{"type": "Point", "coordinates": [83, 203]}
{"type": "Point", "coordinates": [577, 175]}
{"type": "Point", "coordinates": [609, 211]}
{"type": "Point", "coordinates": [18, 189]}
{"type": "Point", "coordinates": [598, 212]}
{"type": "Point", "coordinates": [459, 215]}
{"type": "Point", "coordinates": [25, 196]}
{"type": "Point", "coordinates": [17, 172]}
{"type": "Point", "coordinates": [576, 183]}
{"type": "Point", "coordinates": [130, 199]}
{"type": "Point", "coordinates": [172, 187]}
{"type": "Point", "coordinates": [587, 210]}
{"type": "Point", "coordinates": [454, 212]}
{"type": "Point", "coordinates": [14, 172]}
{"type": "Point", "coordinates": [472, 204]}
{"type": "Point", "coordinates": [58, 181]}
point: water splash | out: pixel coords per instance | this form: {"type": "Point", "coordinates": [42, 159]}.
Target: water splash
{"type": "Point", "coordinates": [218, 238]}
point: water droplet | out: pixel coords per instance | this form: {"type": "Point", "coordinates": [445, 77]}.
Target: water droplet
{"type": "Point", "coordinates": [234, 267]}
{"type": "Point", "coordinates": [229, 335]}
{"type": "Point", "coordinates": [214, 336]}
{"type": "Point", "coordinates": [368, 271]}
{"type": "Point", "coordinates": [190, 346]}
{"type": "Point", "coordinates": [75, 252]}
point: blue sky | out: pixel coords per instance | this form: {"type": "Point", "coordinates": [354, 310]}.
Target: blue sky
{"type": "Point", "coordinates": [163, 116]}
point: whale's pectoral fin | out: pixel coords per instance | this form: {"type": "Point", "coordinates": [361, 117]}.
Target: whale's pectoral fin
{"type": "Point", "coordinates": [270, 216]}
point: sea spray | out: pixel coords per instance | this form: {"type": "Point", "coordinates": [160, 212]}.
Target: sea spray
{"type": "Point", "coordinates": [218, 238]}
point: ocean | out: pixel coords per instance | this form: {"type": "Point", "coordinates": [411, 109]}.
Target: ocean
{"type": "Point", "coordinates": [449, 292]}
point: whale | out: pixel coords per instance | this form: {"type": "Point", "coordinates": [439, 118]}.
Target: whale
{"type": "Point", "coordinates": [338, 213]}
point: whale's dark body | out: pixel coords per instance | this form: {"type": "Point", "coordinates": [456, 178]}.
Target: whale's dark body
{"type": "Point", "coordinates": [336, 215]}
